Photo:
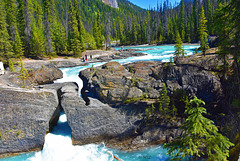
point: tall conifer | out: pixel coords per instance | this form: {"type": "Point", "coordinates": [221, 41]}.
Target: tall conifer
{"type": "Point", "coordinates": [97, 31]}
{"type": "Point", "coordinates": [75, 43]}
{"type": "Point", "coordinates": [203, 32]}
{"type": "Point", "coordinates": [11, 15]}
{"type": "Point", "coordinates": [182, 21]}
{"type": "Point", "coordinates": [6, 50]}
{"type": "Point", "coordinates": [200, 137]}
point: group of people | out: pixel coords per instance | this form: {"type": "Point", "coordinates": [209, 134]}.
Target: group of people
{"type": "Point", "coordinates": [85, 58]}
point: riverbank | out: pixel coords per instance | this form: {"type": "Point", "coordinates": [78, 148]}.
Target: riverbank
{"type": "Point", "coordinates": [97, 56]}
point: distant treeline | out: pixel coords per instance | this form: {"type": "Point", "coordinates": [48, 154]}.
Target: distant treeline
{"type": "Point", "coordinates": [39, 28]}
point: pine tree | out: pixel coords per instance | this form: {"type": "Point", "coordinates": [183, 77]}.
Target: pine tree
{"type": "Point", "coordinates": [203, 32]}
{"type": "Point", "coordinates": [179, 51]}
{"type": "Point", "coordinates": [28, 16]}
{"type": "Point", "coordinates": [161, 38]}
{"type": "Point", "coordinates": [170, 32]}
{"type": "Point", "coordinates": [11, 15]}
{"type": "Point", "coordinates": [223, 29]}
{"type": "Point", "coordinates": [6, 50]}
{"type": "Point", "coordinates": [97, 31]}
{"type": "Point", "coordinates": [148, 27]}
{"type": "Point", "coordinates": [134, 31]}
{"type": "Point", "coordinates": [188, 32]}
{"type": "Point", "coordinates": [47, 21]}
{"type": "Point", "coordinates": [23, 73]}
{"type": "Point", "coordinates": [37, 42]}
{"type": "Point", "coordinates": [164, 107]}
{"type": "Point", "coordinates": [182, 21]}
{"type": "Point", "coordinates": [81, 28]}
{"type": "Point", "coordinates": [195, 19]}
{"type": "Point", "coordinates": [200, 137]}
{"type": "Point", "coordinates": [20, 18]}
{"type": "Point", "coordinates": [209, 17]}
{"type": "Point", "coordinates": [120, 31]}
{"type": "Point", "coordinates": [75, 43]}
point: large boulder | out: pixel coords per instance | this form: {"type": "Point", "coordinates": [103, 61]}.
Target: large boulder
{"type": "Point", "coordinates": [39, 76]}
{"type": "Point", "coordinates": [96, 122]}
{"type": "Point", "coordinates": [115, 83]}
{"type": "Point", "coordinates": [24, 118]}
{"type": "Point", "coordinates": [118, 127]}
{"type": "Point", "coordinates": [45, 75]}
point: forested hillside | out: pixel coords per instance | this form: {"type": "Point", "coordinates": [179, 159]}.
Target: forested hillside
{"type": "Point", "coordinates": [38, 28]}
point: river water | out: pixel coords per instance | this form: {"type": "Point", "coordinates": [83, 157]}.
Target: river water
{"type": "Point", "coordinates": [58, 145]}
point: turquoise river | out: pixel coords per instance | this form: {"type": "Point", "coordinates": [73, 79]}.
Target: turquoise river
{"type": "Point", "coordinates": [58, 145]}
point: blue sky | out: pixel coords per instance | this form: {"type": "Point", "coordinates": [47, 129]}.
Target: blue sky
{"type": "Point", "coordinates": [153, 3]}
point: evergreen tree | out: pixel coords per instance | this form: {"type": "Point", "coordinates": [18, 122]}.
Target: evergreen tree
{"type": "Point", "coordinates": [134, 31]}
{"type": "Point", "coordinates": [188, 32]}
{"type": "Point", "coordinates": [20, 18]}
{"type": "Point", "coordinates": [148, 27]}
{"type": "Point", "coordinates": [209, 17]}
{"type": "Point", "coordinates": [195, 19]}
{"type": "Point", "coordinates": [179, 51]}
{"type": "Point", "coordinates": [223, 29]}
{"type": "Point", "coordinates": [23, 73]}
{"type": "Point", "coordinates": [182, 21]}
{"type": "Point", "coordinates": [37, 31]}
{"type": "Point", "coordinates": [28, 20]}
{"type": "Point", "coordinates": [81, 28]}
{"type": "Point", "coordinates": [200, 137]}
{"type": "Point", "coordinates": [97, 31]}
{"type": "Point", "coordinates": [11, 14]}
{"type": "Point", "coordinates": [6, 50]}
{"type": "Point", "coordinates": [75, 43]}
{"type": "Point", "coordinates": [170, 31]}
{"type": "Point", "coordinates": [120, 31]}
{"type": "Point", "coordinates": [47, 21]}
{"type": "Point", "coordinates": [164, 107]}
{"type": "Point", "coordinates": [161, 38]}
{"type": "Point", "coordinates": [203, 32]}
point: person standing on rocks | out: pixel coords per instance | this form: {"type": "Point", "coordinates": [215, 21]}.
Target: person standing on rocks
{"type": "Point", "coordinates": [86, 57]}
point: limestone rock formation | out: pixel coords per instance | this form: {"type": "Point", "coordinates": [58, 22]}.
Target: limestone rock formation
{"type": "Point", "coordinates": [36, 77]}
{"type": "Point", "coordinates": [112, 3]}
{"type": "Point", "coordinates": [24, 118]}
{"type": "Point", "coordinates": [93, 123]}
{"type": "Point", "coordinates": [114, 83]}
{"type": "Point", "coordinates": [121, 128]}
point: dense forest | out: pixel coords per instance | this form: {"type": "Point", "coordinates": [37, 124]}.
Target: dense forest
{"type": "Point", "coordinates": [39, 28]}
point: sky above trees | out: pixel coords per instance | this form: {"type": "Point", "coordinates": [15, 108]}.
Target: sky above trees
{"type": "Point", "coordinates": [152, 3]}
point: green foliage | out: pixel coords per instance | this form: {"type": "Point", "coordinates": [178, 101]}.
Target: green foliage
{"type": "Point", "coordinates": [236, 103]}
{"type": "Point", "coordinates": [23, 73]}
{"type": "Point", "coordinates": [131, 100]}
{"type": "Point", "coordinates": [179, 51]}
{"type": "Point", "coordinates": [203, 32]}
{"type": "Point", "coordinates": [132, 69]}
{"type": "Point", "coordinates": [200, 137]}
{"type": "Point", "coordinates": [182, 21]}
{"type": "Point", "coordinates": [6, 50]}
{"type": "Point", "coordinates": [11, 65]}
{"type": "Point", "coordinates": [74, 40]}
{"type": "Point", "coordinates": [97, 31]}
{"type": "Point", "coordinates": [150, 111]}
{"type": "Point", "coordinates": [166, 109]}
{"type": "Point", "coordinates": [39, 28]}
{"type": "Point", "coordinates": [164, 103]}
